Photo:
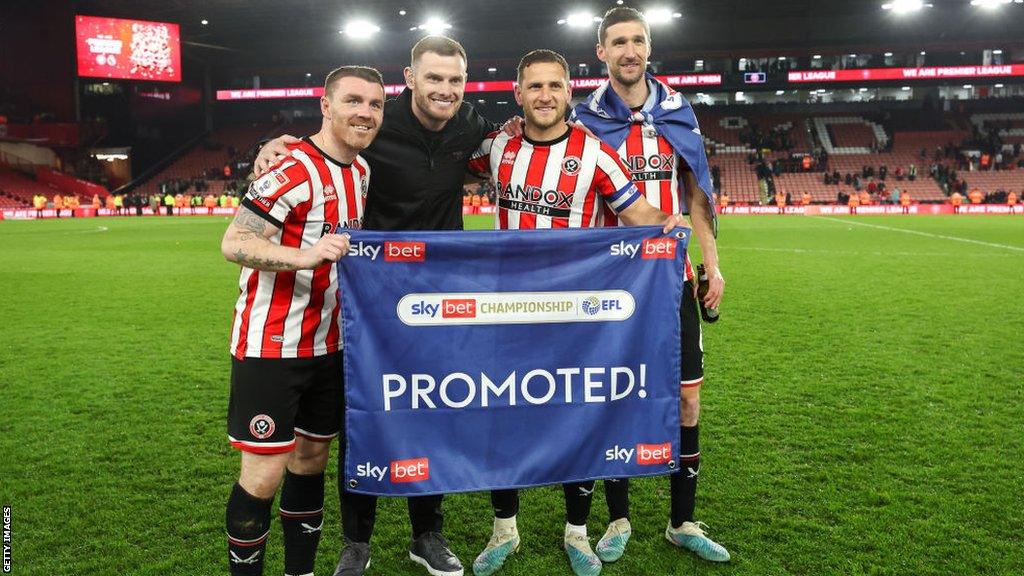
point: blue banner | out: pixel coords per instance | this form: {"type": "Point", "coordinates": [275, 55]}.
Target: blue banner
{"type": "Point", "coordinates": [501, 359]}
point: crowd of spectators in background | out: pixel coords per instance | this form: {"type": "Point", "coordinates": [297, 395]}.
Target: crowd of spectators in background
{"type": "Point", "coordinates": [777, 139]}
{"type": "Point", "coordinates": [133, 204]}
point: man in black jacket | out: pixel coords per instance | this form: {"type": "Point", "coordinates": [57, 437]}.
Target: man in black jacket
{"type": "Point", "coordinates": [417, 168]}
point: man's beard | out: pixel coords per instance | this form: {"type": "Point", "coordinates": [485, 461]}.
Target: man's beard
{"type": "Point", "coordinates": [537, 123]}
{"type": "Point", "coordinates": [622, 80]}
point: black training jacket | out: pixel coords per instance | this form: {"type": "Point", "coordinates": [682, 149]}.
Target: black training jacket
{"type": "Point", "coordinates": [416, 176]}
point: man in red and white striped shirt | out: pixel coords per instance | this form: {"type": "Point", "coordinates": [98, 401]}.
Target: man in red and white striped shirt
{"type": "Point", "coordinates": [565, 182]}
{"type": "Point", "coordinates": [624, 44]}
{"type": "Point", "coordinates": [554, 176]}
{"type": "Point", "coordinates": [286, 368]}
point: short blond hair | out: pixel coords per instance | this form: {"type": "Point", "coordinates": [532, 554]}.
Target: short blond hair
{"type": "Point", "coordinates": [440, 45]}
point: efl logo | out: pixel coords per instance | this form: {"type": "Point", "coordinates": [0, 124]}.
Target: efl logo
{"type": "Point", "coordinates": [458, 308]}
{"type": "Point", "coordinates": [280, 176]}
{"type": "Point", "coordinates": [412, 470]}
{"type": "Point", "coordinates": [592, 306]}
{"type": "Point", "coordinates": [405, 251]}
{"type": "Point", "coordinates": [647, 454]}
{"type": "Point", "coordinates": [658, 248]}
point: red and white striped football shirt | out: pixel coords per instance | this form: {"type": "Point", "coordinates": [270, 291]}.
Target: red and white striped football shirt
{"type": "Point", "coordinates": [294, 314]}
{"type": "Point", "coordinates": [562, 183]}
{"type": "Point", "coordinates": [655, 167]}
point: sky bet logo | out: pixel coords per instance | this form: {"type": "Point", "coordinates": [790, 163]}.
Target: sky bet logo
{"type": "Point", "coordinates": [393, 251]}
{"type": "Point", "coordinates": [646, 454]}
{"type": "Point", "coordinates": [449, 308]}
{"type": "Point", "coordinates": [649, 249]}
{"type": "Point", "coordinates": [402, 471]}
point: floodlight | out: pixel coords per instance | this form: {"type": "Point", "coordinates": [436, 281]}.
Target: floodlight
{"type": "Point", "coordinates": [658, 15]}
{"type": "Point", "coordinates": [903, 6]}
{"type": "Point", "coordinates": [989, 4]}
{"type": "Point", "coordinates": [360, 29]}
{"type": "Point", "coordinates": [578, 19]}
{"type": "Point", "coordinates": [434, 26]}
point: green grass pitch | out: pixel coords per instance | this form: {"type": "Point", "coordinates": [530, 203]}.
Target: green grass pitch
{"type": "Point", "coordinates": [863, 411]}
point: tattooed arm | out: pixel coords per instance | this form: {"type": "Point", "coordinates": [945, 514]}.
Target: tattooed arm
{"type": "Point", "coordinates": [247, 242]}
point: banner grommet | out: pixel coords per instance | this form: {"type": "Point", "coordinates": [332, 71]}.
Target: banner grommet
{"type": "Point", "coordinates": [671, 465]}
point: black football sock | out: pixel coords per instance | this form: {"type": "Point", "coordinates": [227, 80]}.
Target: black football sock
{"type": "Point", "coordinates": [505, 503]}
{"type": "Point", "coordinates": [248, 525]}
{"type": "Point", "coordinates": [616, 494]}
{"type": "Point", "coordinates": [578, 497]}
{"type": "Point", "coordinates": [302, 517]}
{"type": "Point", "coordinates": [683, 484]}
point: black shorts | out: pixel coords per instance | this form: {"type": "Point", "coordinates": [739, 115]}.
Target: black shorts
{"type": "Point", "coordinates": [273, 400]}
{"type": "Point", "coordinates": [691, 353]}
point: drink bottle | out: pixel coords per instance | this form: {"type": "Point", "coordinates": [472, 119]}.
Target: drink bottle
{"type": "Point", "coordinates": [708, 314]}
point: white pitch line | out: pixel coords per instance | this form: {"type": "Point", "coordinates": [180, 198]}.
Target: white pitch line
{"type": "Point", "coordinates": [852, 252]}
{"type": "Point", "coordinates": [87, 231]}
{"type": "Point", "coordinates": [919, 233]}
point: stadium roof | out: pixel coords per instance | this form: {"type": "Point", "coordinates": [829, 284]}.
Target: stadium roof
{"type": "Point", "coordinates": [276, 33]}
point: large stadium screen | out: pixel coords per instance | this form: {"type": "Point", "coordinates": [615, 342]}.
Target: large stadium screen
{"type": "Point", "coordinates": [128, 49]}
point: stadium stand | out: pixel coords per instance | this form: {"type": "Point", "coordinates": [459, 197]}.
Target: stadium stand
{"type": "Point", "coordinates": [1008, 126]}
{"type": "Point", "coordinates": [737, 177]}
{"type": "Point", "coordinates": [229, 145]}
{"type": "Point", "coordinates": [730, 133]}
{"type": "Point", "coordinates": [992, 181]}
{"type": "Point", "coordinates": [18, 190]}
{"type": "Point", "coordinates": [207, 159]}
{"type": "Point", "coordinates": [849, 134]}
